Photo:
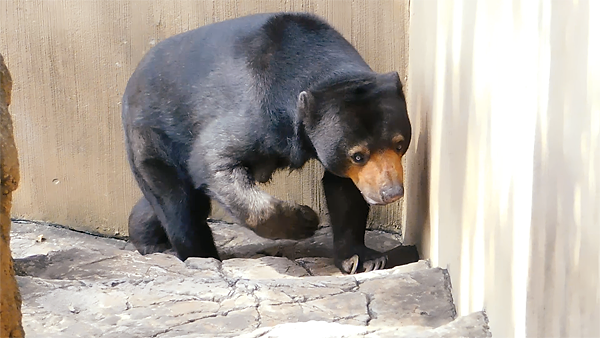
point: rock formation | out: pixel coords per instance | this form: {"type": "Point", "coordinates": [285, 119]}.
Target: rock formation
{"type": "Point", "coordinates": [10, 298]}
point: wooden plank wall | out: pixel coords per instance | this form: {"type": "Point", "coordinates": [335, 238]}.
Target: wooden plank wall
{"type": "Point", "coordinates": [71, 60]}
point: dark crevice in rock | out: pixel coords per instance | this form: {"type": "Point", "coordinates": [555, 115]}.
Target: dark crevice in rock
{"type": "Point", "coordinates": [448, 287]}
{"type": "Point", "coordinates": [224, 244]}
{"type": "Point", "coordinates": [171, 328]}
{"type": "Point", "coordinates": [263, 334]}
{"type": "Point", "coordinates": [369, 312]}
{"type": "Point", "coordinates": [98, 260]}
{"type": "Point", "coordinates": [338, 319]}
{"type": "Point", "coordinates": [303, 265]}
{"type": "Point", "coordinates": [55, 225]}
{"type": "Point", "coordinates": [256, 307]}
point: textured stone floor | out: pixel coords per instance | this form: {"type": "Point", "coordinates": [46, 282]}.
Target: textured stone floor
{"type": "Point", "coordinates": [78, 285]}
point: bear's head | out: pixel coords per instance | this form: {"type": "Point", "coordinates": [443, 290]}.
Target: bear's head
{"type": "Point", "coordinates": [359, 128]}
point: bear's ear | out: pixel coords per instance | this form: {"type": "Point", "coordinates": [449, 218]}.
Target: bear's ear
{"type": "Point", "coordinates": [391, 78]}
{"type": "Point", "coordinates": [305, 105]}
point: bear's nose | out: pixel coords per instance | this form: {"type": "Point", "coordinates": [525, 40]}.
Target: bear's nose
{"type": "Point", "coordinates": [392, 193]}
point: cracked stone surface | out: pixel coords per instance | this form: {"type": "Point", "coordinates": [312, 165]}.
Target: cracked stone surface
{"type": "Point", "coordinates": [78, 285]}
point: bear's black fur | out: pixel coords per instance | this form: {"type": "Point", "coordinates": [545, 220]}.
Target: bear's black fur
{"type": "Point", "coordinates": [210, 111]}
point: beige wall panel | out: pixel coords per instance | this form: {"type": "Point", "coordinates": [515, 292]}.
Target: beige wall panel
{"type": "Point", "coordinates": [504, 172]}
{"type": "Point", "coordinates": [71, 60]}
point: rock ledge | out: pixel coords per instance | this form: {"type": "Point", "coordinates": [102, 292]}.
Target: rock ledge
{"type": "Point", "coordinates": [78, 285]}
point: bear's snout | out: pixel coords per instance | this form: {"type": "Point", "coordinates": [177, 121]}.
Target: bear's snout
{"type": "Point", "coordinates": [380, 180]}
{"type": "Point", "coordinates": [392, 193]}
{"type": "Point", "coordinates": [385, 195]}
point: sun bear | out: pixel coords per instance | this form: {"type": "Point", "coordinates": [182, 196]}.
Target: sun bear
{"type": "Point", "coordinates": [210, 112]}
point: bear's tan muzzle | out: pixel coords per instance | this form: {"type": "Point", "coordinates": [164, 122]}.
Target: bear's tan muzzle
{"type": "Point", "coordinates": [381, 179]}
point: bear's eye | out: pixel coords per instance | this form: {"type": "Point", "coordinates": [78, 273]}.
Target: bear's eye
{"type": "Point", "coordinates": [359, 158]}
{"type": "Point", "coordinates": [399, 146]}
{"type": "Point", "coordinates": [399, 143]}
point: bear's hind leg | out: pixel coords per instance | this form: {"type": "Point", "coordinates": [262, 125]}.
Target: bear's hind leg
{"type": "Point", "coordinates": [181, 210]}
{"type": "Point", "coordinates": [145, 231]}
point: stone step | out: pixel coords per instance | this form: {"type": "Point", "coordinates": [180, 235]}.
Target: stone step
{"type": "Point", "coordinates": [78, 285]}
{"type": "Point", "coordinates": [474, 325]}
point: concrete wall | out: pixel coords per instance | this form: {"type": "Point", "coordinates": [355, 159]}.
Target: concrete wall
{"type": "Point", "coordinates": [71, 60]}
{"type": "Point", "coordinates": [504, 168]}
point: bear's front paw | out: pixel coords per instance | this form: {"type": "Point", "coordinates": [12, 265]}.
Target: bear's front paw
{"type": "Point", "coordinates": [363, 260]}
{"type": "Point", "coordinates": [289, 221]}
{"type": "Point", "coordinates": [305, 222]}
